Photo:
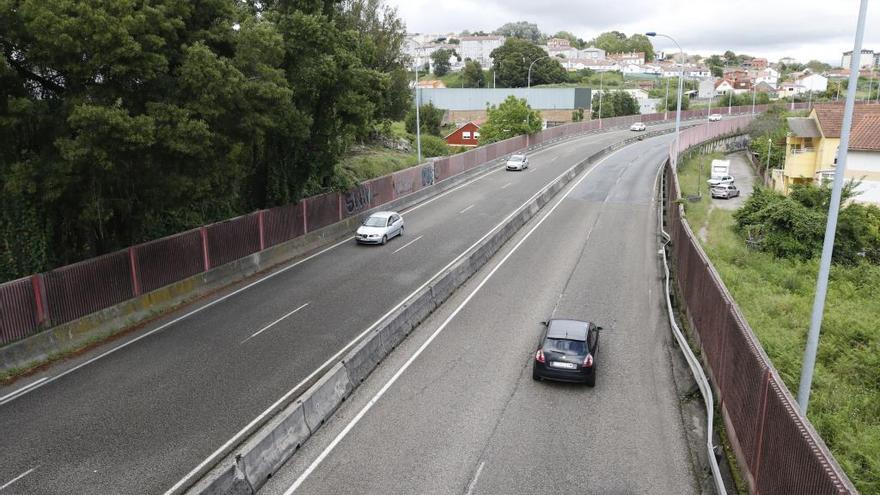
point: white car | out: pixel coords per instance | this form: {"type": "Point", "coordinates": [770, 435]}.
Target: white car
{"type": "Point", "coordinates": [720, 181]}
{"type": "Point", "coordinates": [638, 126]}
{"type": "Point", "coordinates": [725, 191]}
{"type": "Point", "coordinates": [379, 227]}
{"type": "Point", "coordinates": [715, 117]}
{"type": "Point", "coordinates": [517, 162]}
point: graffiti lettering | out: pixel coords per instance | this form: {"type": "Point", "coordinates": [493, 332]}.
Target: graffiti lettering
{"type": "Point", "coordinates": [427, 175]}
{"type": "Point", "coordinates": [358, 199]}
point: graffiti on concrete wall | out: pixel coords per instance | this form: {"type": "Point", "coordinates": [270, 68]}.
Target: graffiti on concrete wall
{"type": "Point", "coordinates": [358, 199]}
{"type": "Point", "coordinates": [427, 175]}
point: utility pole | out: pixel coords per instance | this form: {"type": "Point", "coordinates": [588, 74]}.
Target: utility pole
{"type": "Point", "coordinates": [767, 168]}
{"type": "Point", "coordinates": [666, 102]}
{"type": "Point", "coordinates": [812, 347]}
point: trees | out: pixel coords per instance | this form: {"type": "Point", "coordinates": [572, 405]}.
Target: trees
{"type": "Point", "coordinates": [574, 40]}
{"type": "Point", "coordinates": [430, 119]}
{"type": "Point", "coordinates": [512, 117]}
{"type": "Point", "coordinates": [175, 114]}
{"type": "Point", "coordinates": [672, 102]}
{"type": "Point", "coordinates": [617, 42]}
{"type": "Point", "coordinates": [511, 64]}
{"type": "Point", "coordinates": [522, 30]}
{"type": "Point", "coordinates": [441, 61]}
{"type": "Point", "coordinates": [614, 104]}
{"type": "Point", "coordinates": [473, 75]}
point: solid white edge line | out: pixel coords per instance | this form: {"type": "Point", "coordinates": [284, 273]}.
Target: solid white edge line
{"type": "Point", "coordinates": [299, 481]}
{"type": "Point", "coordinates": [339, 353]}
{"type": "Point", "coordinates": [407, 244]}
{"type": "Point", "coordinates": [258, 332]}
{"type": "Point", "coordinates": [22, 390]}
{"type": "Point", "coordinates": [466, 209]}
{"type": "Point", "coordinates": [20, 476]}
{"type": "Point", "coordinates": [505, 186]}
{"type": "Point", "coordinates": [182, 317]}
{"type": "Point", "coordinates": [473, 483]}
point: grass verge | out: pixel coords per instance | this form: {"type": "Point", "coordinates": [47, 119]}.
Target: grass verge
{"type": "Point", "coordinates": [776, 297]}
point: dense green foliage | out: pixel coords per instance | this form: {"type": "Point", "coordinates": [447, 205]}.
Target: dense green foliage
{"type": "Point", "coordinates": [430, 119]}
{"type": "Point", "coordinates": [472, 75]}
{"type": "Point", "coordinates": [434, 146]}
{"type": "Point", "coordinates": [769, 130]}
{"type": "Point", "coordinates": [617, 42]}
{"type": "Point", "coordinates": [776, 296]}
{"type": "Point", "coordinates": [512, 117]}
{"type": "Point", "coordinates": [441, 61]}
{"type": "Point", "coordinates": [793, 226]}
{"type": "Point", "coordinates": [672, 101]}
{"type": "Point", "coordinates": [124, 121]}
{"type": "Point", "coordinates": [614, 104]}
{"type": "Point", "coordinates": [511, 64]}
{"type": "Point", "coordinates": [521, 30]}
{"type": "Point", "coordinates": [574, 40]}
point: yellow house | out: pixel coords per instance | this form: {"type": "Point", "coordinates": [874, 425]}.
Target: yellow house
{"type": "Point", "coordinates": [812, 144]}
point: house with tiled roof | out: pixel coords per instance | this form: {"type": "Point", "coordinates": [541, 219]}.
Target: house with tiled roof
{"type": "Point", "coordinates": [813, 142]}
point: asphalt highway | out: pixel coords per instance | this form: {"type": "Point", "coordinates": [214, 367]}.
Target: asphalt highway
{"type": "Point", "coordinates": [139, 419]}
{"type": "Point", "coordinates": [455, 410]}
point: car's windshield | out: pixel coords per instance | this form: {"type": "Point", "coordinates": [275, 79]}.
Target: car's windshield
{"type": "Point", "coordinates": [375, 222]}
{"type": "Point", "coordinates": [566, 346]}
{"type": "Point", "coordinates": [517, 158]}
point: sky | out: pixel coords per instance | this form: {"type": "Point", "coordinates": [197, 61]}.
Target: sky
{"type": "Point", "coordinates": [804, 30]}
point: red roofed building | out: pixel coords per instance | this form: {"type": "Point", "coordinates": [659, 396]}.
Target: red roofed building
{"type": "Point", "coordinates": [466, 135]}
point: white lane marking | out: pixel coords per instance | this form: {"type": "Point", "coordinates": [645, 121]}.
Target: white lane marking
{"type": "Point", "coordinates": [20, 476]}
{"type": "Point", "coordinates": [323, 455]}
{"type": "Point", "coordinates": [468, 208]}
{"type": "Point", "coordinates": [182, 317]}
{"type": "Point", "coordinates": [407, 244]}
{"type": "Point", "coordinates": [258, 332]}
{"type": "Point", "coordinates": [22, 389]}
{"type": "Point", "coordinates": [473, 483]}
{"type": "Point", "coordinates": [505, 186]}
{"type": "Point", "coordinates": [333, 359]}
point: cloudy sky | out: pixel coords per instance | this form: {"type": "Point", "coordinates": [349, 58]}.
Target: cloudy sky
{"type": "Point", "coordinates": [805, 29]}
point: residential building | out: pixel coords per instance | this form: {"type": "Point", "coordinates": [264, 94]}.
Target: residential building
{"type": "Point", "coordinates": [742, 86]}
{"type": "Point", "coordinates": [468, 135]}
{"type": "Point", "coordinates": [765, 87]}
{"type": "Point", "coordinates": [637, 58]}
{"type": "Point", "coordinates": [788, 89]}
{"type": "Point", "coordinates": [706, 89]}
{"type": "Point", "coordinates": [813, 143]}
{"type": "Point", "coordinates": [756, 63]}
{"type": "Point", "coordinates": [768, 75]}
{"type": "Point", "coordinates": [814, 82]}
{"type": "Point", "coordinates": [649, 105]}
{"type": "Point", "coordinates": [560, 47]}
{"type": "Point", "coordinates": [724, 86]}
{"type": "Point", "coordinates": [469, 104]}
{"type": "Point", "coordinates": [479, 48]}
{"type": "Point", "coordinates": [591, 53]}
{"type": "Point", "coordinates": [867, 59]}
{"type": "Point", "coordinates": [596, 65]}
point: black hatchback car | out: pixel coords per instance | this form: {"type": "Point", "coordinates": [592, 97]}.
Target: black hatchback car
{"type": "Point", "coordinates": [567, 352]}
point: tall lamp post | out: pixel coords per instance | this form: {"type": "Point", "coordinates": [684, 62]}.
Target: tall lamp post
{"type": "Point", "coordinates": [418, 102]}
{"type": "Point", "coordinates": [812, 347]}
{"type": "Point", "coordinates": [666, 102]}
{"type": "Point", "coordinates": [678, 105]}
{"type": "Point", "coordinates": [601, 94]}
{"type": "Point", "coordinates": [529, 91]}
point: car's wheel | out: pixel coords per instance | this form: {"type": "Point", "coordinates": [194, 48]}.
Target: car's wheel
{"type": "Point", "coordinates": [591, 380]}
{"type": "Point", "coordinates": [384, 239]}
{"type": "Point", "coordinates": [535, 376]}
{"type": "Point", "coordinates": [401, 231]}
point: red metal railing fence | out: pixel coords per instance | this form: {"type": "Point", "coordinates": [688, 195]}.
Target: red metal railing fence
{"type": "Point", "coordinates": [67, 293]}
{"type": "Point", "coordinates": [775, 444]}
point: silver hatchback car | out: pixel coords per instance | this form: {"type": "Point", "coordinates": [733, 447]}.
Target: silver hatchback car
{"type": "Point", "coordinates": [725, 191]}
{"type": "Point", "coordinates": [379, 227]}
{"type": "Point", "coordinates": [517, 162]}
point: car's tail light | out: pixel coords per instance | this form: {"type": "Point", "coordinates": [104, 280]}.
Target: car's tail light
{"type": "Point", "coordinates": [539, 356]}
{"type": "Point", "coordinates": [588, 361]}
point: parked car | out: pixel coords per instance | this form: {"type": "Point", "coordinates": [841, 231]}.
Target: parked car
{"type": "Point", "coordinates": [379, 227]}
{"type": "Point", "coordinates": [638, 126]}
{"type": "Point", "coordinates": [517, 162]}
{"type": "Point", "coordinates": [567, 352]}
{"type": "Point", "coordinates": [719, 181]}
{"type": "Point", "coordinates": [725, 191]}
{"type": "Point", "coordinates": [715, 117]}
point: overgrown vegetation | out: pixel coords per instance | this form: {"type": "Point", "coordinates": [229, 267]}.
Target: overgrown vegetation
{"type": "Point", "coordinates": [125, 121]}
{"type": "Point", "coordinates": [614, 104]}
{"type": "Point", "coordinates": [776, 295]}
{"type": "Point", "coordinates": [513, 117]}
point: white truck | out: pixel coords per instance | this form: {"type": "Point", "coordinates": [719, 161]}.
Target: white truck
{"type": "Point", "coordinates": [719, 169]}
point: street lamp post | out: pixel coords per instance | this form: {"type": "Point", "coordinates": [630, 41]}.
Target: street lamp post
{"type": "Point", "coordinates": [767, 168]}
{"type": "Point", "coordinates": [418, 124]}
{"type": "Point", "coordinates": [529, 92]}
{"type": "Point", "coordinates": [754, 95]}
{"type": "Point", "coordinates": [601, 94]}
{"type": "Point", "coordinates": [666, 102]}
{"type": "Point", "coordinates": [678, 105]}
{"type": "Point", "coordinates": [812, 347]}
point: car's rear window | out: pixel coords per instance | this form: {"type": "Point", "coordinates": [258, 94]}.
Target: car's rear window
{"type": "Point", "coordinates": [566, 346]}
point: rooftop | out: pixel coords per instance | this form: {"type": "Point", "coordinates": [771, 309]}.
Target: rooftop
{"type": "Point", "coordinates": [866, 134]}
{"type": "Point", "coordinates": [804, 127]}
{"type": "Point", "coordinates": [830, 116]}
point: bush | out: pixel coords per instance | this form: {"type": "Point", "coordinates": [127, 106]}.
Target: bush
{"type": "Point", "coordinates": [434, 146]}
{"type": "Point", "coordinates": [430, 119]}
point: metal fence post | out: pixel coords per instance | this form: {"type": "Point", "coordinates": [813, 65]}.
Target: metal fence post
{"type": "Point", "coordinates": [305, 216]}
{"type": "Point", "coordinates": [260, 227]}
{"type": "Point", "coordinates": [41, 303]}
{"type": "Point", "coordinates": [132, 264]}
{"type": "Point", "coordinates": [205, 257]}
